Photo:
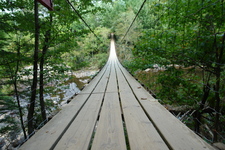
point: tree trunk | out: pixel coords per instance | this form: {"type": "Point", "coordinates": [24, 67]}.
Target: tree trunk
{"type": "Point", "coordinates": [45, 48]}
{"type": "Point", "coordinates": [16, 92]}
{"type": "Point", "coordinates": [14, 81]}
{"type": "Point", "coordinates": [198, 114]}
{"type": "Point", "coordinates": [20, 110]}
{"type": "Point", "coordinates": [35, 71]}
{"type": "Point", "coordinates": [42, 102]}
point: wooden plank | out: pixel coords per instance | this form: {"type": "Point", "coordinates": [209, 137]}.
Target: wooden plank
{"type": "Point", "coordinates": [177, 135]}
{"type": "Point", "coordinates": [80, 131]}
{"type": "Point", "coordinates": [79, 134]}
{"type": "Point", "coordinates": [89, 88]}
{"type": "Point", "coordinates": [48, 135]}
{"type": "Point", "coordinates": [112, 85]}
{"type": "Point", "coordinates": [101, 87]}
{"type": "Point", "coordinates": [141, 132]}
{"type": "Point", "coordinates": [110, 133]}
{"type": "Point", "coordinates": [139, 90]}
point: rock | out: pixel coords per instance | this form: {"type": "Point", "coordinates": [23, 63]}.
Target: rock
{"type": "Point", "coordinates": [2, 143]}
{"type": "Point", "coordinates": [147, 70]}
{"type": "Point", "coordinates": [219, 146]}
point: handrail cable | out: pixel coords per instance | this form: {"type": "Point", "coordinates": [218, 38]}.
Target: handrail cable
{"type": "Point", "coordinates": [82, 19]}
{"type": "Point", "coordinates": [134, 19]}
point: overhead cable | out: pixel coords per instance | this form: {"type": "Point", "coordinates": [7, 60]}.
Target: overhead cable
{"type": "Point", "coordinates": [134, 19]}
{"type": "Point", "coordinates": [82, 19]}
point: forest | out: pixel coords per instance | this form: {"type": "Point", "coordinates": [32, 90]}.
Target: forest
{"type": "Point", "coordinates": [175, 48]}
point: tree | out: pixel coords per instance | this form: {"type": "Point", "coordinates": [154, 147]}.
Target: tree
{"type": "Point", "coordinates": [186, 34]}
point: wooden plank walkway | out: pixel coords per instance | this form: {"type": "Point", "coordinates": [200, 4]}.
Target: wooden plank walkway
{"type": "Point", "coordinates": [114, 112]}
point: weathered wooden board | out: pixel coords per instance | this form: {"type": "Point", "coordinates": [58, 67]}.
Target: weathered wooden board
{"type": "Point", "coordinates": [48, 135]}
{"type": "Point", "coordinates": [110, 134]}
{"type": "Point", "coordinates": [173, 130]}
{"type": "Point", "coordinates": [112, 85]}
{"type": "Point", "coordinates": [139, 90]}
{"type": "Point", "coordinates": [169, 126]}
{"type": "Point", "coordinates": [101, 87]}
{"type": "Point", "coordinates": [142, 134]}
{"type": "Point", "coordinates": [79, 133]}
{"type": "Point", "coordinates": [93, 84]}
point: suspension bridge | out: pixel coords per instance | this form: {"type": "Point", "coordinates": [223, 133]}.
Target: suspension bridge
{"type": "Point", "coordinates": [114, 112]}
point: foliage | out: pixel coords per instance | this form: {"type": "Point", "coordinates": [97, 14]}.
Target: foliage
{"type": "Point", "coordinates": [183, 39]}
{"type": "Point", "coordinates": [186, 34]}
{"type": "Point", "coordinates": [8, 111]}
{"type": "Point", "coordinates": [70, 46]}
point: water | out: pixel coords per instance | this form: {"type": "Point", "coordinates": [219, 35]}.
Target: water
{"type": "Point", "coordinates": [73, 85]}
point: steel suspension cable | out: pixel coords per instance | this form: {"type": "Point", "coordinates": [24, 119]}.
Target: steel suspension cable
{"type": "Point", "coordinates": [82, 19]}
{"type": "Point", "coordinates": [134, 19]}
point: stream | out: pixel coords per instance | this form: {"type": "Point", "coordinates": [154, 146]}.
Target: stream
{"type": "Point", "coordinates": [71, 86]}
